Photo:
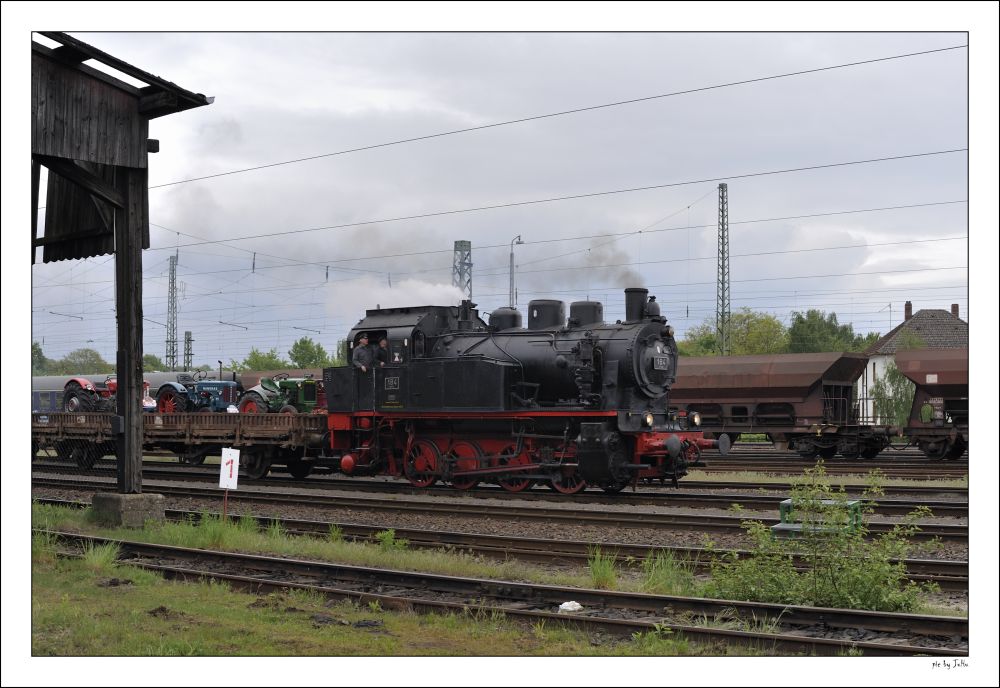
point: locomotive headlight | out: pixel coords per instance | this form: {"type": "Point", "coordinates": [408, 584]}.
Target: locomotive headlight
{"type": "Point", "coordinates": [649, 419]}
{"type": "Point", "coordinates": [696, 418]}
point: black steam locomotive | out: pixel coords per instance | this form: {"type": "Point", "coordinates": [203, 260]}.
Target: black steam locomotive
{"type": "Point", "coordinates": [564, 401]}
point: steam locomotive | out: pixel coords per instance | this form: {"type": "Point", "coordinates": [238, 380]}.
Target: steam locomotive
{"type": "Point", "coordinates": [566, 402]}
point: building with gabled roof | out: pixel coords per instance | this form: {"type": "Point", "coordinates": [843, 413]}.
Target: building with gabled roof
{"type": "Point", "coordinates": [933, 328]}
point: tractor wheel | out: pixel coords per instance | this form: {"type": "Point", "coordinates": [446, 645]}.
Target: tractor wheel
{"type": "Point", "coordinates": [288, 408]}
{"type": "Point", "coordinates": [76, 399]}
{"type": "Point", "coordinates": [252, 403]}
{"type": "Point", "coordinates": [169, 401]}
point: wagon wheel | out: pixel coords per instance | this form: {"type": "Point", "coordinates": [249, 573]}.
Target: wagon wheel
{"type": "Point", "coordinates": [828, 452]}
{"type": "Point", "coordinates": [851, 453]}
{"type": "Point", "coordinates": [935, 451]}
{"type": "Point", "coordinates": [255, 463]}
{"type": "Point", "coordinates": [466, 457]}
{"type": "Point", "coordinates": [870, 452]}
{"type": "Point", "coordinates": [421, 464]}
{"type": "Point", "coordinates": [514, 482]}
{"type": "Point", "coordinates": [567, 481]}
{"type": "Point", "coordinates": [807, 451]}
{"type": "Point", "coordinates": [195, 455]}
{"type": "Point", "coordinates": [288, 408]}
{"type": "Point", "coordinates": [252, 403]}
{"type": "Point", "coordinates": [956, 450]}
{"type": "Point", "coordinates": [84, 455]}
{"type": "Point", "coordinates": [169, 401]}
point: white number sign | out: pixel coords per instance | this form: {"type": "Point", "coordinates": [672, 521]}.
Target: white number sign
{"type": "Point", "coordinates": [229, 471]}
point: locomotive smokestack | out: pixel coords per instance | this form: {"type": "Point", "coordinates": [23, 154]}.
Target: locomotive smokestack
{"type": "Point", "coordinates": [635, 302]}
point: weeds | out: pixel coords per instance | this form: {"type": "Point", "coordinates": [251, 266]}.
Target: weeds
{"type": "Point", "coordinates": [663, 573]}
{"type": "Point", "coordinates": [841, 567]}
{"type": "Point", "coordinates": [388, 542]}
{"type": "Point", "coordinates": [603, 572]}
{"type": "Point", "coordinates": [100, 558]}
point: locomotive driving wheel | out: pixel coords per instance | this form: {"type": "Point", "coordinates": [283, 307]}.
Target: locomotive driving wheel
{"type": "Point", "coordinates": [422, 464]}
{"type": "Point", "coordinates": [567, 481]}
{"type": "Point", "coordinates": [513, 482]}
{"type": "Point", "coordinates": [465, 457]}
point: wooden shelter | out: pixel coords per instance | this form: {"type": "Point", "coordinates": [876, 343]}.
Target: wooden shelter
{"type": "Point", "coordinates": [90, 130]}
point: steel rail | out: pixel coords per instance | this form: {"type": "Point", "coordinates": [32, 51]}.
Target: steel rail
{"type": "Point", "coordinates": [616, 519]}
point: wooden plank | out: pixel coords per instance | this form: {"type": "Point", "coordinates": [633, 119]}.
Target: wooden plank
{"type": "Point", "coordinates": [91, 183]}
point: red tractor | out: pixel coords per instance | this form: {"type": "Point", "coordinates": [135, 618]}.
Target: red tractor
{"type": "Point", "coordinates": [81, 395]}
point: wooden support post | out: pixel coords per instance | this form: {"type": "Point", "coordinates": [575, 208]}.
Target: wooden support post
{"type": "Point", "coordinates": [128, 305]}
{"type": "Point", "coordinates": [35, 179]}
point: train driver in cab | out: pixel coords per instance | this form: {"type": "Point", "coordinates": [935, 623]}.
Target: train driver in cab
{"type": "Point", "coordinates": [362, 357]}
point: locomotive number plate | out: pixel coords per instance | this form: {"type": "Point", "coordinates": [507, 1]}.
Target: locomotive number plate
{"type": "Point", "coordinates": [392, 383]}
{"type": "Point", "coordinates": [661, 363]}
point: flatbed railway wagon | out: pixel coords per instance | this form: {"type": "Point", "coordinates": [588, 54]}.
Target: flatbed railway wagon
{"type": "Point", "coordinates": [263, 439]}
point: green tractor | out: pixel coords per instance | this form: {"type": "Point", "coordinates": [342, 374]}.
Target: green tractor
{"type": "Point", "coordinates": [283, 394]}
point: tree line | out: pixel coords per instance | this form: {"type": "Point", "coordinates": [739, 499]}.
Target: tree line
{"type": "Point", "coordinates": [754, 332]}
{"type": "Point", "coordinates": [304, 353]}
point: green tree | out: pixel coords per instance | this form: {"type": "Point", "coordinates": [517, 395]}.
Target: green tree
{"type": "Point", "coordinates": [82, 361]}
{"type": "Point", "coordinates": [257, 360]}
{"type": "Point", "coordinates": [751, 332]}
{"type": "Point", "coordinates": [699, 341]}
{"type": "Point", "coordinates": [39, 364]}
{"type": "Point", "coordinates": [305, 353]}
{"type": "Point", "coordinates": [150, 363]}
{"type": "Point", "coordinates": [816, 331]}
{"type": "Point", "coordinates": [892, 395]}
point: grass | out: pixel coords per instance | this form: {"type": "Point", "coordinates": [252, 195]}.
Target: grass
{"type": "Point", "coordinates": [78, 610]}
{"type": "Point", "coordinates": [859, 480]}
{"type": "Point", "coordinates": [603, 569]}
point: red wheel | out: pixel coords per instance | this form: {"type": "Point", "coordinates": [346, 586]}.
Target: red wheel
{"type": "Point", "coordinates": [567, 483]}
{"type": "Point", "coordinates": [421, 466]}
{"type": "Point", "coordinates": [466, 456]}
{"type": "Point", "coordinates": [252, 403]}
{"type": "Point", "coordinates": [514, 482]}
{"type": "Point", "coordinates": [168, 401]}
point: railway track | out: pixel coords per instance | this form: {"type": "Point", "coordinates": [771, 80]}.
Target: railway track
{"type": "Point", "coordinates": [506, 512]}
{"type": "Point", "coordinates": [949, 575]}
{"type": "Point", "coordinates": [806, 630]}
{"type": "Point", "coordinates": [955, 508]}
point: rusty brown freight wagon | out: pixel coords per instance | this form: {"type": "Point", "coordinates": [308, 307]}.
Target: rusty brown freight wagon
{"type": "Point", "coordinates": [803, 402]}
{"type": "Point", "coordinates": [939, 417]}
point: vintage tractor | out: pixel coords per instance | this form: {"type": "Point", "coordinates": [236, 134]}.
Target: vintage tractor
{"type": "Point", "coordinates": [196, 393]}
{"type": "Point", "coordinates": [282, 394]}
{"type": "Point", "coordinates": [82, 395]}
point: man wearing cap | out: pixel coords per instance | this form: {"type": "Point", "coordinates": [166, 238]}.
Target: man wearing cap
{"type": "Point", "coordinates": [362, 355]}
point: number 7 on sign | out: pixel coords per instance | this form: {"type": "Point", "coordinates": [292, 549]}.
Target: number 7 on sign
{"type": "Point", "coordinates": [229, 470]}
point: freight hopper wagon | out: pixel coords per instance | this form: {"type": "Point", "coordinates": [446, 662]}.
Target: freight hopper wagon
{"type": "Point", "coordinates": [939, 416]}
{"type": "Point", "coordinates": [803, 402]}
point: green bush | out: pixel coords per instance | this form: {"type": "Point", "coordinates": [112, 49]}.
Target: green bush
{"type": "Point", "coordinates": [840, 566]}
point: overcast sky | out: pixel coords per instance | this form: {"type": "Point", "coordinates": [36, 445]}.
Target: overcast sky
{"type": "Point", "coordinates": [287, 96]}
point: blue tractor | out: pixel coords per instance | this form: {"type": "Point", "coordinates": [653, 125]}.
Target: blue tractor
{"type": "Point", "coordinates": [196, 393]}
